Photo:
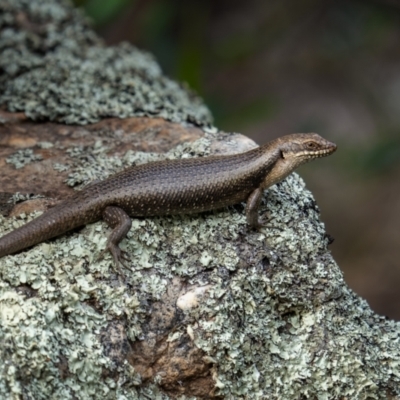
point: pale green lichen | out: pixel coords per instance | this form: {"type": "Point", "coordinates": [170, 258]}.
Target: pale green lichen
{"type": "Point", "coordinates": [277, 320]}
{"type": "Point", "coordinates": [60, 167]}
{"type": "Point", "coordinates": [23, 157]}
{"type": "Point", "coordinates": [19, 197]}
{"type": "Point", "coordinates": [55, 68]}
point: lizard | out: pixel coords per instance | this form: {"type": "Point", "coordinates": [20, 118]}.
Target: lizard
{"type": "Point", "coordinates": [167, 187]}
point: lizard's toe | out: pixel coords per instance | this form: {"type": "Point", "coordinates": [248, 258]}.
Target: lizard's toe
{"type": "Point", "coordinates": [124, 255]}
{"type": "Point", "coordinates": [119, 256]}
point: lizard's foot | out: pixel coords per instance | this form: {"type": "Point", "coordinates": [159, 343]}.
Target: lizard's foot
{"type": "Point", "coordinates": [259, 223]}
{"type": "Point", "coordinates": [120, 222]}
{"type": "Point", "coordinates": [119, 256]}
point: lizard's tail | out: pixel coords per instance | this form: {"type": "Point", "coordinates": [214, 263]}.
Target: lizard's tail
{"type": "Point", "coordinates": [52, 223]}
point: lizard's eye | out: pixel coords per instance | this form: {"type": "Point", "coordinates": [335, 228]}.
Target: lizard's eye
{"type": "Point", "coordinates": [311, 145]}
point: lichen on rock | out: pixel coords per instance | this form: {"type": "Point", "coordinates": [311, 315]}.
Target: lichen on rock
{"type": "Point", "coordinates": [56, 68]}
{"type": "Point", "coordinates": [276, 319]}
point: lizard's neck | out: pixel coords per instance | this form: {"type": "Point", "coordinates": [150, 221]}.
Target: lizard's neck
{"type": "Point", "coordinates": [280, 170]}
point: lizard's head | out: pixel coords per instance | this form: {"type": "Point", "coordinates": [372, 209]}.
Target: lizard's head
{"type": "Point", "coordinates": [300, 148]}
{"type": "Point", "coordinates": [292, 151]}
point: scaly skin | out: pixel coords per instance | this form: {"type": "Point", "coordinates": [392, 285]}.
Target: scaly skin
{"type": "Point", "coordinates": [172, 187]}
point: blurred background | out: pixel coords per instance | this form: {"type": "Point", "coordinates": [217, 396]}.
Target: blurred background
{"type": "Point", "coordinates": [268, 68]}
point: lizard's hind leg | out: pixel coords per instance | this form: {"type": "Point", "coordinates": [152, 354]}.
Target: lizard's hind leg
{"type": "Point", "coordinates": [117, 219]}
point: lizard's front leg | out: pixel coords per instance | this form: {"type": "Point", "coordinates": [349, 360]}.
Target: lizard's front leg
{"type": "Point", "coordinates": [117, 219]}
{"type": "Point", "coordinates": [252, 206]}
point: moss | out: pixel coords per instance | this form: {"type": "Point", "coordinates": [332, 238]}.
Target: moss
{"type": "Point", "coordinates": [55, 68]}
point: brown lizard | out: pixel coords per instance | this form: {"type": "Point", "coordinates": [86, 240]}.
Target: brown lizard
{"type": "Point", "coordinates": [179, 186]}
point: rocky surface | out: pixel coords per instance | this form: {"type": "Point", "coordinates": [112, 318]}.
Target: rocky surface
{"type": "Point", "coordinates": [209, 308]}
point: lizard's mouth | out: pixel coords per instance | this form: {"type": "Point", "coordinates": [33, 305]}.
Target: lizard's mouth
{"type": "Point", "coordinates": [317, 153]}
{"type": "Point", "coordinates": [328, 149]}
{"type": "Point", "coordinates": [326, 152]}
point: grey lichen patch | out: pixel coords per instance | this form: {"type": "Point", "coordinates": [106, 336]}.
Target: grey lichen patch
{"type": "Point", "coordinates": [90, 163]}
{"type": "Point", "coordinates": [58, 325]}
{"type": "Point", "coordinates": [61, 167]}
{"type": "Point", "coordinates": [55, 68]}
{"type": "Point", "coordinates": [23, 157]}
{"type": "Point", "coordinates": [19, 197]}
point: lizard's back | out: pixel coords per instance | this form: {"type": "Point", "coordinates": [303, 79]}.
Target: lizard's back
{"type": "Point", "coordinates": [181, 186]}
